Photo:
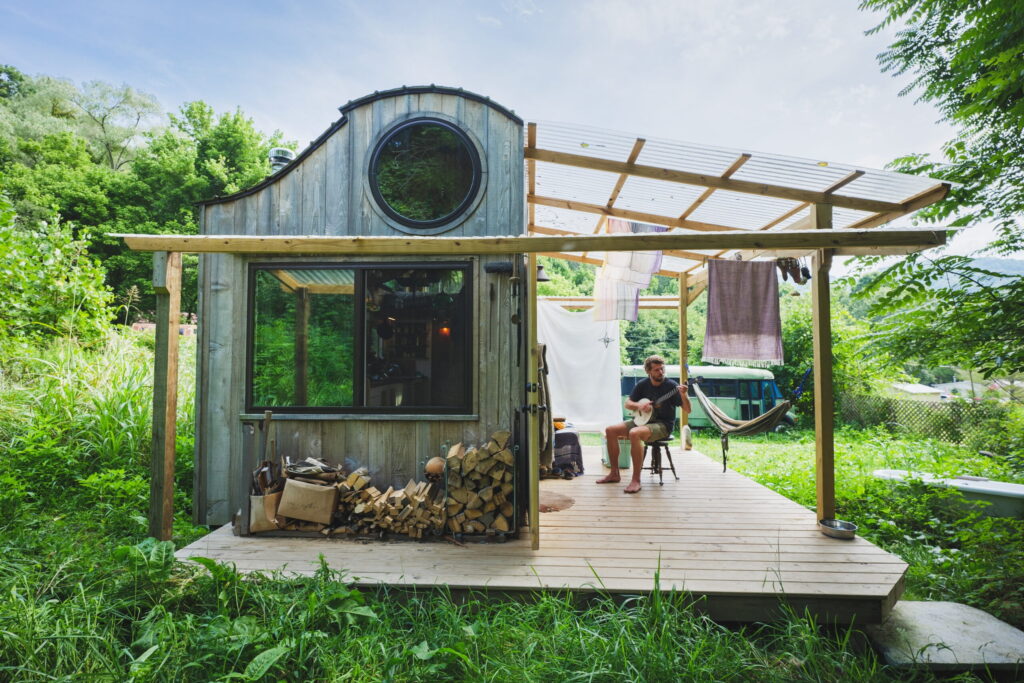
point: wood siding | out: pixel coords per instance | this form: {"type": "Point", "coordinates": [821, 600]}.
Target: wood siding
{"type": "Point", "coordinates": [326, 194]}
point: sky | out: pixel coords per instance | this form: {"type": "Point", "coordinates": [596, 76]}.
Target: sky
{"type": "Point", "coordinates": [793, 77]}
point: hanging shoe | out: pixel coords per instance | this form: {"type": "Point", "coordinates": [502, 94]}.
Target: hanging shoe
{"type": "Point", "coordinates": [781, 263]}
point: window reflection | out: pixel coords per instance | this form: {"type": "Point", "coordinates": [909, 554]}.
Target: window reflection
{"type": "Point", "coordinates": [416, 338]}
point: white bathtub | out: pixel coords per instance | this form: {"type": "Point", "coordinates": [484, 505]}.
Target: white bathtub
{"type": "Point", "coordinates": [1006, 499]}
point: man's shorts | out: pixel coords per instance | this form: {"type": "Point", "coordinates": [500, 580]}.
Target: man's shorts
{"type": "Point", "coordinates": [659, 430]}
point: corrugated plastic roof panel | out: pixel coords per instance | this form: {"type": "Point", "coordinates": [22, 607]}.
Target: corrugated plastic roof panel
{"type": "Point", "coordinates": [664, 202]}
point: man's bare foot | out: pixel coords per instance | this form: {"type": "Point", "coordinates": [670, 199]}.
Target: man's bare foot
{"type": "Point", "coordinates": [634, 487]}
{"type": "Point", "coordinates": [609, 479]}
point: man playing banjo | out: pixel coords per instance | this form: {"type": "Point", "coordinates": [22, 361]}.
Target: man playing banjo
{"type": "Point", "coordinates": [653, 402]}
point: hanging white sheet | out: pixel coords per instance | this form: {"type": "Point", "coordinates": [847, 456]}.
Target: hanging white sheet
{"type": "Point", "coordinates": [583, 366]}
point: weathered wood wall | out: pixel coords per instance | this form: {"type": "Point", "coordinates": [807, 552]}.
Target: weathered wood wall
{"type": "Point", "coordinates": [325, 193]}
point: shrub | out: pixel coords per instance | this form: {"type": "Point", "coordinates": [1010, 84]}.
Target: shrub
{"type": "Point", "coordinates": [51, 287]}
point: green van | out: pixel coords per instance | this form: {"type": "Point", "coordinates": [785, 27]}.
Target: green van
{"type": "Point", "coordinates": [743, 393]}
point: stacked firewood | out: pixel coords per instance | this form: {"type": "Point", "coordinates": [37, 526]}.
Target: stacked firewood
{"type": "Point", "coordinates": [480, 487]}
{"type": "Point", "coordinates": [364, 509]}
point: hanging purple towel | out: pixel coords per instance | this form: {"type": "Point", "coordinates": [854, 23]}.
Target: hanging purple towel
{"type": "Point", "coordinates": [743, 313]}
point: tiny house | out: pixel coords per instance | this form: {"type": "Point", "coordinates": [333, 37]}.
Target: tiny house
{"type": "Point", "coordinates": [377, 361]}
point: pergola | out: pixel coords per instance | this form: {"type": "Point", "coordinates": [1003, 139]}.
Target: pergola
{"type": "Point", "coordinates": [716, 203]}
{"type": "Point", "coordinates": [745, 204]}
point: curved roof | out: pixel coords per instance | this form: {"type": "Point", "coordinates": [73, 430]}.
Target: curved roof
{"type": "Point", "coordinates": [350, 106]}
{"type": "Point", "coordinates": [421, 89]}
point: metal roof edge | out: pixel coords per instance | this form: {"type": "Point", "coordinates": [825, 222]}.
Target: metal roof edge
{"type": "Point", "coordinates": [421, 89]}
{"type": "Point", "coordinates": [274, 177]}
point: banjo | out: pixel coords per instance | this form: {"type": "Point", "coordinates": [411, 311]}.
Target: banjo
{"type": "Point", "coordinates": [640, 418]}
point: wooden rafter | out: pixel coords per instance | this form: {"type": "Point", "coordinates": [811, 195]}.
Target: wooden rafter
{"type": "Point", "coordinates": [631, 159]}
{"type": "Point", "coordinates": [623, 177]}
{"type": "Point", "coordinates": [654, 218]}
{"type": "Point", "coordinates": [646, 302]}
{"type": "Point", "coordinates": [735, 166]}
{"type": "Point", "coordinates": [579, 258]}
{"type": "Point", "coordinates": [920, 200]}
{"type": "Point", "coordinates": [845, 180]}
{"type": "Point", "coordinates": [531, 167]}
{"type": "Point", "coordinates": [690, 178]}
{"type": "Point", "coordinates": [689, 255]}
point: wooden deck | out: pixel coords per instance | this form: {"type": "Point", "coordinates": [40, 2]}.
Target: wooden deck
{"type": "Point", "coordinates": [739, 549]}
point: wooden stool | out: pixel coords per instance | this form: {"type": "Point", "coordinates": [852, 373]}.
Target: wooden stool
{"type": "Point", "coordinates": [656, 467]}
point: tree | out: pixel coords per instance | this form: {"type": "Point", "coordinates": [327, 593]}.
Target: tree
{"type": "Point", "coordinates": [11, 81]}
{"type": "Point", "coordinates": [200, 156]}
{"type": "Point", "coordinates": [112, 118]}
{"type": "Point", "coordinates": [109, 118]}
{"type": "Point", "coordinates": [965, 58]}
{"type": "Point", "coordinates": [57, 174]}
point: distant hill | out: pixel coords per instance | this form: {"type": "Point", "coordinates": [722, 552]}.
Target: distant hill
{"type": "Point", "coordinates": [1007, 266]}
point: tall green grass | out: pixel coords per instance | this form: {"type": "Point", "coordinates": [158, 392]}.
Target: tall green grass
{"type": "Point", "coordinates": [84, 596]}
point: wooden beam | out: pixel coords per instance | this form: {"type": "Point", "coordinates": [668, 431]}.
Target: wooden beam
{"type": "Point", "coordinates": [646, 302]}
{"type": "Point", "coordinates": [824, 400]}
{"type": "Point", "coordinates": [531, 169]}
{"type": "Point", "coordinates": [920, 200]}
{"type": "Point", "coordinates": [844, 181]}
{"type": "Point", "coordinates": [579, 258]}
{"type": "Point", "coordinates": [690, 178]}
{"type": "Point", "coordinates": [167, 284]}
{"type": "Point", "coordinates": [532, 396]}
{"type": "Point", "coordinates": [302, 301]}
{"type": "Point", "coordinates": [735, 166]}
{"type": "Point", "coordinates": [684, 417]}
{"type": "Point", "coordinates": [678, 253]}
{"type": "Point", "coordinates": [633, 154]}
{"type": "Point", "coordinates": [640, 216]}
{"type": "Point", "coordinates": [416, 246]}
{"type": "Point", "coordinates": [796, 209]}
{"type": "Point", "coordinates": [696, 289]}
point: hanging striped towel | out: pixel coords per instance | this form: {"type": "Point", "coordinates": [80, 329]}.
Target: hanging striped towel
{"type": "Point", "coordinates": [624, 275]}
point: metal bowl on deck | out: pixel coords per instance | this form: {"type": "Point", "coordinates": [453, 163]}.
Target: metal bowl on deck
{"type": "Point", "coordinates": [837, 528]}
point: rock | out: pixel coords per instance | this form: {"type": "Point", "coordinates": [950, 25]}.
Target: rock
{"type": "Point", "coordinates": [947, 637]}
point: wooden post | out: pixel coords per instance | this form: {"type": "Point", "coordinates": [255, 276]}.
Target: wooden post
{"type": "Point", "coordinates": [532, 394]}
{"type": "Point", "coordinates": [684, 417]}
{"type": "Point", "coordinates": [824, 400]}
{"type": "Point", "coordinates": [167, 283]}
{"type": "Point", "coordinates": [301, 345]}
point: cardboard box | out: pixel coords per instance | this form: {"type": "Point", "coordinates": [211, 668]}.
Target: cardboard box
{"type": "Point", "coordinates": [263, 512]}
{"type": "Point", "coordinates": [308, 502]}
{"type": "Point", "coordinates": [624, 460]}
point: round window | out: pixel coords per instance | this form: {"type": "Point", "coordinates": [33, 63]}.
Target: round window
{"type": "Point", "coordinates": [424, 173]}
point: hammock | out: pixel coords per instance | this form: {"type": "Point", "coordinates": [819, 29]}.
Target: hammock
{"type": "Point", "coordinates": [726, 425]}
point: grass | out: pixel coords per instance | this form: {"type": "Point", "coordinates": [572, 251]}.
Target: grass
{"type": "Point", "coordinates": [84, 596]}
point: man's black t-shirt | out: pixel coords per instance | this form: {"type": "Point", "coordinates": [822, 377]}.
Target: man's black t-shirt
{"type": "Point", "coordinates": [666, 412]}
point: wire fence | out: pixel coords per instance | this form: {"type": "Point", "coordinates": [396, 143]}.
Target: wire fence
{"type": "Point", "coordinates": [956, 421]}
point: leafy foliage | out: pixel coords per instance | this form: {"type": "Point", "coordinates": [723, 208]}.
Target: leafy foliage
{"type": "Point", "coordinates": [51, 284]}
{"type": "Point", "coordinates": [964, 57]}
{"type": "Point", "coordinates": [91, 154]}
